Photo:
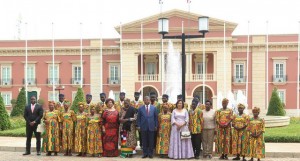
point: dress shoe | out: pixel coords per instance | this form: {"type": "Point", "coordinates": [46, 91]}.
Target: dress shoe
{"type": "Point", "coordinates": [151, 156]}
{"type": "Point", "coordinates": [26, 153]}
{"type": "Point", "coordinates": [38, 153]}
{"type": "Point", "coordinates": [144, 156]}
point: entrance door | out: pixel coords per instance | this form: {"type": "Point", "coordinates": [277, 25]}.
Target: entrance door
{"type": "Point", "coordinates": [32, 93]}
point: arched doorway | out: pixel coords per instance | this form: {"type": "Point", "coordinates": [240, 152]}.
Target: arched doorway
{"type": "Point", "coordinates": [199, 92]}
{"type": "Point", "coordinates": [147, 90]}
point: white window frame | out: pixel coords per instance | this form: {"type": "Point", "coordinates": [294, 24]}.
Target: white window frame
{"type": "Point", "coordinates": [74, 79]}
{"type": "Point", "coordinates": [6, 80]}
{"type": "Point", "coordinates": [117, 81]}
{"type": "Point", "coordinates": [50, 96]}
{"type": "Point", "coordinates": [197, 68]}
{"type": "Point", "coordinates": [155, 68]}
{"type": "Point", "coordinates": [283, 91]}
{"type": "Point", "coordinates": [117, 95]}
{"type": "Point", "coordinates": [284, 69]}
{"type": "Point", "coordinates": [50, 73]}
{"type": "Point", "coordinates": [34, 73]}
{"type": "Point", "coordinates": [4, 98]}
{"type": "Point", "coordinates": [235, 71]}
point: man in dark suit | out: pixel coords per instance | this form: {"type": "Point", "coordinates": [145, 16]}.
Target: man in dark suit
{"type": "Point", "coordinates": [33, 114]}
{"type": "Point", "coordinates": [147, 123]}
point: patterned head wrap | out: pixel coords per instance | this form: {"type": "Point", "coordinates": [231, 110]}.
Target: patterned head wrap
{"type": "Point", "coordinates": [67, 102]}
{"type": "Point", "coordinates": [92, 106]}
{"type": "Point", "coordinates": [225, 100]}
{"type": "Point", "coordinates": [80, 104]}
{"type": "Point", "coordinates": [51, 102]}
{"type": "Point", "coordinates": [256, 109]}
{"type": "Point", "coordinates": [241, 106]}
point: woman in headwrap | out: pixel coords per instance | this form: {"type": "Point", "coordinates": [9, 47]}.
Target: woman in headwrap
{"type": "Point", "coordinates": [94, 133]}
{"type": "Point", "coordinates": [68, 118]}
{"type": "Point", "coordinates": [223, 120]}
{"type": "Point", "coordinates": [51, 138]}
{"type": "Point", "coordinates": [128, 118]}
{"type": "Point", "coordinates": [256, 128]}
{"type": "Point", "coordinates": [240, 133]}
{"type": "Point", "coordinates": [80, 131]}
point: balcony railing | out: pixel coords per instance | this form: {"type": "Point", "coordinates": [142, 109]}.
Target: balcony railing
{"type": "Point", "coordinates": [50, 81]}
{"type": "Point", "coordinates": [76, 81]}
{"type": "Point", "coordinates": [199, 77]}
{"type": "Point", "coordinates": [113, 80]}
{"type": "Point", "coordinates": [30, 81]}
{"type": "Point", "coordinates": [6, 82]}
{"type": "Point", "coordinates": [279, 78]}
{"type": "Point", "coordinates": [239, 79]}
{"type": "Point", "coordinates": [148, 77]}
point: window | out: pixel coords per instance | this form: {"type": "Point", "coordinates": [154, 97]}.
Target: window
{"type": "Point", "coordinates": [114, 73]}
{"type": "Point", "coordinates": [151, 68]}
{"type": "Point", "coordinates": [51, 96]}
{"type": "Point", "coordinates": [6, 98]}
{"type": "Point", "coordinates": [281, 94]}
{"type": "Point", "coordinates": [31, 74]}
{"type": "Point", "coordinates": [76, 74]}
{"type": "Point", "coordinates": [199, 67]}
{"type": "Point", "coordinates": [279, 74]}
{"type": "Point", "coordinates": [279, 70]}
{"type": "Point", "coordinates": [55, 76]}
{"type": "Point", "coordinates": [6, 75]}
{"type": "Point", "coordinates": [239, 72]}
{"type": "Point", "coordinates": [117, 96]}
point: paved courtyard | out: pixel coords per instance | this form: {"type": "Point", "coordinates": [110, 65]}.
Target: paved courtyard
{"type": "Point", "coordinates": [17, 156]}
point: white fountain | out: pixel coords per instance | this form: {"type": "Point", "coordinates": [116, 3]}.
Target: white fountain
{"type": "Point", "coordinates": [111, 94]}
{"type": "Point", "coordinates": [173, 73]}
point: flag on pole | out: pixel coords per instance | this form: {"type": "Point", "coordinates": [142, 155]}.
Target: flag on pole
{"type": "Point", "coordinates": [188, 1]}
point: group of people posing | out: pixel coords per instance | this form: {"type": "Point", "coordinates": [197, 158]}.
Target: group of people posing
{"type": "Point", "coordinates": [170, 130]}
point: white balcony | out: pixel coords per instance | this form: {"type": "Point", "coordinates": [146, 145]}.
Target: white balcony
{"type": "Point", "coordinates": [148, 77]}
{"type": "Point", "coordinates": [199, 77]}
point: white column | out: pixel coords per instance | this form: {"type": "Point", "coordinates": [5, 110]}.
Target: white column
{"type": "Point", "coordinates": [215, 66]}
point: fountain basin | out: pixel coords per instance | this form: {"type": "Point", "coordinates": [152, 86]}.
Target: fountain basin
{"type": "Point", "coordinates": [276, 121]}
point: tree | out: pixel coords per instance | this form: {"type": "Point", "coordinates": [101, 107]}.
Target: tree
{"type": "Point", "coordinates": [275, 105]}
{"type": "Point", "coordinates": [18, 109]}
{"type": "Point", "coordinates": [78, 98]}
{"type": "Point", "coordinates": [4, 117]}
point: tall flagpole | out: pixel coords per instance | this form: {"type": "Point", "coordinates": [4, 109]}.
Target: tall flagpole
{"type": "Point", "coordinates": [26, 63]}
{"type": "Point", "coordinates": [101, 61]}
{"type": "Point", "coordinates": [53, 80]}
{"type": "Point", "coordinates": [121, 46]}
{"type": "Point", "coordinates": [224, 56]}
{"type": "Point", "coordinates": [142, 61]}
{"type": "Point", "coordinates": [81, 65]}
{"type": "Point", "coordinates": [162, 54]}
{"type": "Point", "coordinates": [298, 111]}
{"type": "Point", "coordinates": [267, 66]}
{"type": "Point", "coordinates": [247, 75]}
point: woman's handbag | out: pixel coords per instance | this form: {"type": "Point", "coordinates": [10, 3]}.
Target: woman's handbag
{"type": "Point", "coordinates": [185, 135]}
{"type": "Point", "coordinates": [40, 128]}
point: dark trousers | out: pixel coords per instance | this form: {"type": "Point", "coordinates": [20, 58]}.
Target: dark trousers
{"type": "Point", "coordinates": [140, 138]}
{"type": "Point", "coordinates": [29, 131]}
{"type": "Point", "coordinates": [196, 142]}
{"type": "Point", "coordinates": [148, 142]}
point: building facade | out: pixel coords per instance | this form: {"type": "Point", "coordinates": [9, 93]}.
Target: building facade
{"type": "Point", "coordinates": [125, 66]}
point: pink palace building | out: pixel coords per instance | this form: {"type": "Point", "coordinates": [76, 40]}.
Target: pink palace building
{"type": "Point", "coordinates": [119, 65]}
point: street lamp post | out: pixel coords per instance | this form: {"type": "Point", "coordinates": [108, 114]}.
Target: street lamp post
{"type": "Point", "coordinates": [163, 29]}
{"type": "Point", "coordinates": [59, 88]}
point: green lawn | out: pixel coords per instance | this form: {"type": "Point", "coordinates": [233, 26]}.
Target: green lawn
{"type": "Point", "coordinates": [290, 133]}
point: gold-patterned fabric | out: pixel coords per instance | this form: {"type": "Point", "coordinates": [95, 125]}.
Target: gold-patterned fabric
{"type": "Point", "coordinates": [59, 106]}
{"type": "Point", "coordinates": [240, 138]}
{"type": "Point", "coordinates": [119, 105]}
{"type": "Point", "coordinates": [195, 121]}
{"type": "Point", "coordinates": [223, 139]}
{"type": "Point", "coordinates": [80, 132]}
{"type": "Point", "coordinates": [171, 107]}
{"type": "Point", "coordinates": [94, 135]}
{"type": "Point", "coordinates": [100, 108]}
{"type": "Point", "coordinates": [164, 132]}
{"type": "Point", "coordinates": [51, 138]}
{"type": "Point", "coordinates": [256, 148]}
{"type": "Point", "coordinates": [137, 104]}
{"type": "Point", "coordinates": [68, 118]}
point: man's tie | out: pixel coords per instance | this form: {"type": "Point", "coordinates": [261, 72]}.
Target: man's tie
{"type": "Point", "coordinates": [147, 106]}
